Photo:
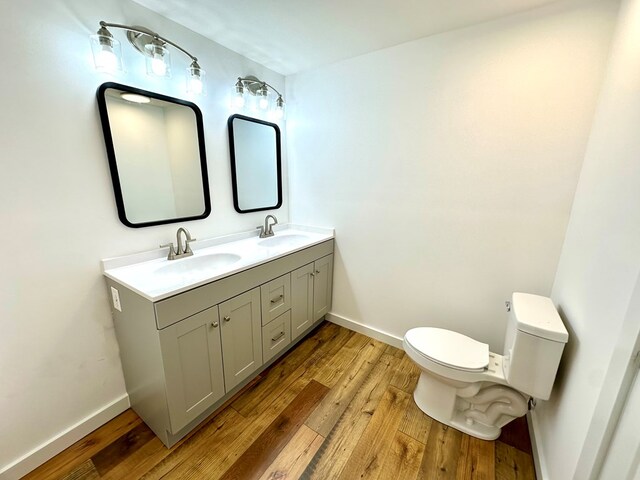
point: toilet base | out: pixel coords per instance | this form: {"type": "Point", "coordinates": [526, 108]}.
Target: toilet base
{"type": "Point", "coordinates": [478, 430]}
{"type": "Point", "coordinates": [453, 405]}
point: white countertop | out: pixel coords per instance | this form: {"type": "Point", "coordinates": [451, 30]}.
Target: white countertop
{"type": "Point", "coordinates": [154, 277]}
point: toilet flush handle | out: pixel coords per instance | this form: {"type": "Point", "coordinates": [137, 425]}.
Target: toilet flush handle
{"type": "Point", "coordinates": [508, 305]}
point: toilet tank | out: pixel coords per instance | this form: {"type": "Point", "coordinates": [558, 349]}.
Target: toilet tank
{"type": "Point", "coordinates": [534, 341]}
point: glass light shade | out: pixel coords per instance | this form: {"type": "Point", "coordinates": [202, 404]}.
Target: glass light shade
{"type": "Point", "coordinates": [107, 55]}
{"type": "Point", "coordinates": [158, 60]}
{"type": "Point", "coordinates": [195, 81]}
{"type": "Point", "coordinates": [238, 100]}
{"type": "Point", "coordinates": [278, 109]}
{"type": "Point", "coordinates": [263, 102]}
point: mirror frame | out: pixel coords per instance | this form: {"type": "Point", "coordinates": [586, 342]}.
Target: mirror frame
{"type": "Point", "coordinates": [234, 177]}
{"type": "Point", "coordinates": [113, 165]}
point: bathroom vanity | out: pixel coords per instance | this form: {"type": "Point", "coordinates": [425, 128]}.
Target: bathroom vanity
{"type": "Point", "coordinates": [194, 331]}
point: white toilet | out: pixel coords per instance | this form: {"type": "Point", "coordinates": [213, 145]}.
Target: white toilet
{"type": "Point", "coordinates": [473, 390]}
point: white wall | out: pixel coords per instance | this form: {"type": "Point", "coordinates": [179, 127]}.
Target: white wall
{"type": "Point", "coordinates": [600, 259]}
{"type": "Point", "coordinates": [448, 165]}
{"type": "Point", "coordinates": [58, 354]}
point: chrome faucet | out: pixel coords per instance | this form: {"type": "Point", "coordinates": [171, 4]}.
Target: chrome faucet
{"type": "Point", "coordinates": [266, 230]}
{"type": "Point", "coordinates": [180, 252]}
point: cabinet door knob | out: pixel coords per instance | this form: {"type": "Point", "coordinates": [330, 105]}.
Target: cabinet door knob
{"type": "Point", "coordinates": [214, 324]}
{"type": "Point", "coordinates": [312, 274]}
{"type": "Point", "coordinates": [317, 271]}
{"type": "Point", "coordinates": [226, 319]}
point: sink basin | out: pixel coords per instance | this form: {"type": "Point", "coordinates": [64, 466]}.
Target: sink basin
{"type": "Point", "coordinates": [197, 264]}
{"type": "Point", "coordinates": [291, 240]}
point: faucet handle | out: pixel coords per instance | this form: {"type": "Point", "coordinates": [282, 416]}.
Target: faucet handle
{"type": "Point", "coordinates": [172, 251]}
{"type": "Point", "coordinates": [187, 247]}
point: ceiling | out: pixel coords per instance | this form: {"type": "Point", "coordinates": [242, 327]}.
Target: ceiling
{"type": "Point", "coordinates": [290, 36]}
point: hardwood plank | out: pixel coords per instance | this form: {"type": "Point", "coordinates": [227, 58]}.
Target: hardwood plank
{"type": "Point", "coordinates": [416, 423]}
{"type": "Point", "coordinates": [326, 415]}
{"type": "Point", "coordinates": [512, 463]}
{"type": "Point", "coordinates": [335, 451]}
{"type": "Point", "coordinates": [264, 450]}
{"type": "Point", "coordinates": [404, 458]}
{"type": "Point", "coordinates": [516, 434]}
{"type": "Point", "coordinates": [295, 457]}
{"type": "Point", "coordinates": [376, 441]}
{"type": "Point", "coordinates": [406, 376]}
{"type": "Point", "coordinates": [140, 462]}
{"type": "Point", "coordinates": [84, 449]}
{"type": "Point", "coordinates": [225, 426]}
{"type": "Point", "coordinates": [110, 456]}
{"type": "Point", "coordinates": [85, 471]}
{"type": "Point", "coordinates": [477, 459]}
{"type": "Point", "coordinates": [396, 352]}
{"type": "Point", "coordinates": [440, 459]}
{"type": "Point", "coordinates": [305, 359]}
{"type": "Point", "coordinates": [357, 345]}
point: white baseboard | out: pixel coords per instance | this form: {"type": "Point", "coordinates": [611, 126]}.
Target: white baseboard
{"type": "Point", "coordinates": [64, 439]}
{"type": "Point", "coordinates": [539, 461]}
{"type": "Point", "coordinates": [364, 329]}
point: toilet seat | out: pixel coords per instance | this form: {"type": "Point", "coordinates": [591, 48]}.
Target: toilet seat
{"type": "Point", "coordinates": [448, 348]}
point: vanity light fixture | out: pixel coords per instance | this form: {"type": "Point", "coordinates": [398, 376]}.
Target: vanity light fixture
{"type": "Point", "coordinates": [108, 58]}
{"type": "Point", "coordinates": [251, 85]}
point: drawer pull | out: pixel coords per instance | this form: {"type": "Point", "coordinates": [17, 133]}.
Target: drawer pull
{"type": "Point", "coordinates": [278, 337]}
{"type": "Point", "coordinates": [226, 319]}
{"type": "Point", "coordinates": [276, 300]}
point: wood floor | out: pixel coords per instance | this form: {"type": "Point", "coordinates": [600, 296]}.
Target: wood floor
{"type": "Point", "coordinates": [337, 406]}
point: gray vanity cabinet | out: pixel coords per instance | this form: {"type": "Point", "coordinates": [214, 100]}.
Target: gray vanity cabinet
{"type": "Point", "coordinates": [241, 337]}
{"type": "Point", "coordinates": [192, 360]}
{"type": "Point", "coordinates": [310, 294]}
{"type": "Point", "coordinates": [185, 355]}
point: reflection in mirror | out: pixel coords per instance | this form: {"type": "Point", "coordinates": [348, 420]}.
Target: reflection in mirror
{"type": "Point", "coordinates": [155, 146]}
{"type": "Point", "coordinates": [255, 164]}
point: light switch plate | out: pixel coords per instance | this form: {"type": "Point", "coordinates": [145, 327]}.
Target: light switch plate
{"type": "Point", "coordinates": [115, 297]}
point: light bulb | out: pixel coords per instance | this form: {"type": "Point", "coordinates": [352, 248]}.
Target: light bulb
{"type": "Point", "coordinates": [195, 85]}
{"type": "Point", "coordinates": [106, 60]}
{"type": "Point", "coordinates": [158, 59]}
{"type": "Point", "coordinates": [158, 66]}
{"type": "Point", "coordinates": [238, 100]}
{"type": "Point", "coordinates": [278, 113]}
{"type": "Point", "coordinates": [263, 103]}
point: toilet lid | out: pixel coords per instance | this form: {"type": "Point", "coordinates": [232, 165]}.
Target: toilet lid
{"type": "Point", "coordinates": [448, 348]}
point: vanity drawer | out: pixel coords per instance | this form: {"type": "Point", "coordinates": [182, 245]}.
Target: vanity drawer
{"type": "Point", "coordinates": [276, 298]}
{"type": "Point", "coordinates": [276, 336]}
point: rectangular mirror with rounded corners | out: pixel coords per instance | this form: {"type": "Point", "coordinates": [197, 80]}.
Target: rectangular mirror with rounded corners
{"type": "Point", "coordinates": [155, 146]}
{"type": "Point", "coordinates": [256, 172]}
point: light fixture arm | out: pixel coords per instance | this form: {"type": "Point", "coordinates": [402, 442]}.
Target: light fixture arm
{"type": "Point", "coordinates": [150, 33]}
{"type": "Point", "coordinates": [254, 81]}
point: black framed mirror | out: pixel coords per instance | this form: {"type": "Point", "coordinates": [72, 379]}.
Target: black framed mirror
{"type": "Point", "coordinates": [256, 170]}
{"type": "Point", "coordinates": [156, 152]}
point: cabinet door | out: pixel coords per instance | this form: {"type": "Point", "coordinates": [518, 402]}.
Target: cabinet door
{"type": "Point", "coordinates": [301, 300]}
{"type": "Point", "coordinates": [276, 298]}
{"type": "Point", "coordinates": [322, 284]}
{"type": "Point", "coordinates": [192, 360]}
{"type": "Point", "coordinates": [241, 337]}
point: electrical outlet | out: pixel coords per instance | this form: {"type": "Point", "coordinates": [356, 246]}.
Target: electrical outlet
{"type": "Point", "coordinates": [115, 297]}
